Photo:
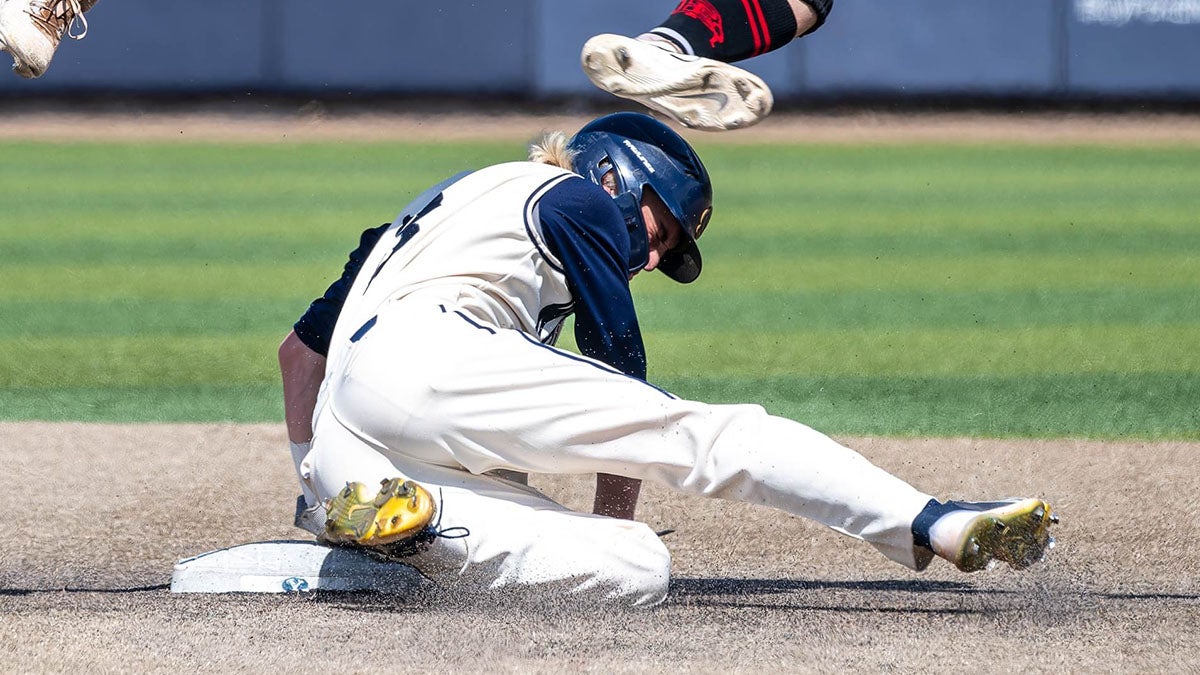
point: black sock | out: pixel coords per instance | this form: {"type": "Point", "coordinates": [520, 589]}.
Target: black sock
{"type": "Point", "coordinates": [729, 30]}
{"type": "Point", "coordinates": [925, 520]}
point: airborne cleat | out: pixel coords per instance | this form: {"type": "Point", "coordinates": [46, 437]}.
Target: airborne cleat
{"type": "Point", "coordinates": [30, 30]}
{"type": "Point", "coordinates": [973, 535]}
{"type": "Point", "coordinates": [401, 512]}
{"type": "Point", "coordinates": [697, 92]}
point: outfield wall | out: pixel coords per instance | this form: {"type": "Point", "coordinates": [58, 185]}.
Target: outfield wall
{"type": "Point", "coordinates": [529, 48]}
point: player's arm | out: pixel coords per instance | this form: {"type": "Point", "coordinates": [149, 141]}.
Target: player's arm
{"type": "Point", "coordinates": [302, 370]}
{"type": "Point", "coordinates": [302, 353]}
{"type": "Point", "coordinates": [585, 230]}
{"type": "Point", "coordinates": [616, 496]}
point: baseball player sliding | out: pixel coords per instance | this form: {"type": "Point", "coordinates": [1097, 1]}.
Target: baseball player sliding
{"type": "Point", "coordinates": [439, 387]}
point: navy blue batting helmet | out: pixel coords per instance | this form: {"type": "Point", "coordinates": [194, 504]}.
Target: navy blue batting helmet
{"type": "Point", "coordinates": [645, 153]}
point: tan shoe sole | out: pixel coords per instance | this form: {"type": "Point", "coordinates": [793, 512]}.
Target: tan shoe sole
{"type": "Point", "coordinates": [697, 92]}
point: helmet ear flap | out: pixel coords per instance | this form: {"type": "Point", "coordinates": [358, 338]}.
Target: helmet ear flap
{"type": "Point", "coordinates": [639, 241]}
{"type": "Point", "coordinates": [639, 152]}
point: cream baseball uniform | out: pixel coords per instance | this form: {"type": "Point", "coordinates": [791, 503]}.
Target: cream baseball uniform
{"type": "Point", "coordinates": [441, 369]}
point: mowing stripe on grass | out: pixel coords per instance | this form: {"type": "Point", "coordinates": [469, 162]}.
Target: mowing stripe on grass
{"type": "Point", "coordinates": [928, 243]}
{"type": "Point", "coordinates": [217, 281]}
{"type": "Point", "coordinates": [325, 241]}
{"type": "Point", "coordinates": [700, 311]}
{"type": "Point", "coordinates": [141, 360]}
{"type": "Point", "coordinates": [909, 352]}
{"type": "Point", "coordinates": [918, 309]}
{"type": "Point", "coordinates": [176, 402]}
{"type": "Point", "coordinates": [284, 279]}
{"type": "Point", "coordinates": [162, 319]}
{"type": "Point", "coordinates": [951, 274]}
{"type": "Point", "coordinates": [1102, 405]}
{"type": "Point", "coordinates": [1099, 405]}
{"type": "Point", "coordinates": [157, 359]}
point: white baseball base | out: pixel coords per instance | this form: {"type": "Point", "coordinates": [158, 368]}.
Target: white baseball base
{"type": "Point", "coordinates": [290, 567]}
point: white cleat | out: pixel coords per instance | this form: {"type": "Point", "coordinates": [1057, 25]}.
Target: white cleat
{"type": "Point", "coordinates": [697, 92]}
{"type": "Point", "coordinates": [30, 30]}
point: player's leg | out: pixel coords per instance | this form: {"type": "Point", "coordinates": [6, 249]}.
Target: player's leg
{"type": "Point", "coordinates": [455, 393]}
{"type": "Point", "coordinates": [735, 30]}
{"type": "Point", "coordinates": [463, 394]}
{"type": "Point", "coordinates": [502, 536]}
{"type": "Point", "coordinates": [31, 30]}
{"type": "Point", "coordinates": [681, 67]}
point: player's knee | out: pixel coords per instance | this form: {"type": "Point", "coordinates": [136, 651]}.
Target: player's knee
{"type": "Point", "coordinates": [642, 575]}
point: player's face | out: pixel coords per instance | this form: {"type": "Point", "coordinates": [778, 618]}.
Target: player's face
{"type": "Point", "coordinates": [661, 227]}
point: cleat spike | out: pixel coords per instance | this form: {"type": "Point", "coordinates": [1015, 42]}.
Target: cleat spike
{"type": "Point", "coordinates": [623, 58]}
{"type": "Point", "coordinates": [399, 511]}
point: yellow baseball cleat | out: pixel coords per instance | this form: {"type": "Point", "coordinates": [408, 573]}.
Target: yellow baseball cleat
{"type": "Point", "coordinates": [974, 535]}
{"type": "Point", "coordinates": [400, 511]}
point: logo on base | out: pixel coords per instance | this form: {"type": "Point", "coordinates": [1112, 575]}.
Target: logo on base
{"type": "Point", "coordinates": [295, 585]}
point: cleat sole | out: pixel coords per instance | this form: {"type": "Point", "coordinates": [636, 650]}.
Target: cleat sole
{"type": "Point", "coordinates": [399, 510]}
{"type": "Point", "coordinates": [697, 92]}
{"type": "Point", "coordinates": [1018, 534]}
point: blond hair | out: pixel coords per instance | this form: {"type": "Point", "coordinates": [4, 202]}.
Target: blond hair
{"type": "Point", "coordinates": [552, 149]}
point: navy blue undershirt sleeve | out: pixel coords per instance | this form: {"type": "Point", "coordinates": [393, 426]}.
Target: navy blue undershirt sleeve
{"type": "Point", "coordinates": [585, 231]}
{"type": "Point", "coordinates": [315, 328]}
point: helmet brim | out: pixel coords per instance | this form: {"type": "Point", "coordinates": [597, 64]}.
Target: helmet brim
{"type": "Point", "coordinates": [682, 263]}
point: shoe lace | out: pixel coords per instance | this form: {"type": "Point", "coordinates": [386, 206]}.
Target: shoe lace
{"type": "Point", "coordinates": [59, 17]}
{"type": "Point", "coordinates": [77, 19]}
{"type": "Point", "coordinates": [456, 532]}
{"type": "Point", "coordinates": [420, 542]}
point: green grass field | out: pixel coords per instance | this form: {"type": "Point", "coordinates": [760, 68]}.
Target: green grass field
{"type": "Point", "coordinates": [897, 290]}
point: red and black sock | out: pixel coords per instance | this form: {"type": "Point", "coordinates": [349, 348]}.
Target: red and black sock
{"type": "Point", "coordinates": [729, 30]}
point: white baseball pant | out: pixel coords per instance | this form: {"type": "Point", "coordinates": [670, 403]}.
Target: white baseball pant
{"type": "Point", "coordinates": [431, 393]}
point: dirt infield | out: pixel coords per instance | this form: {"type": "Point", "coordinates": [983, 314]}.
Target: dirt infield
{"type": "Point", "coordinates": [99, 514]}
